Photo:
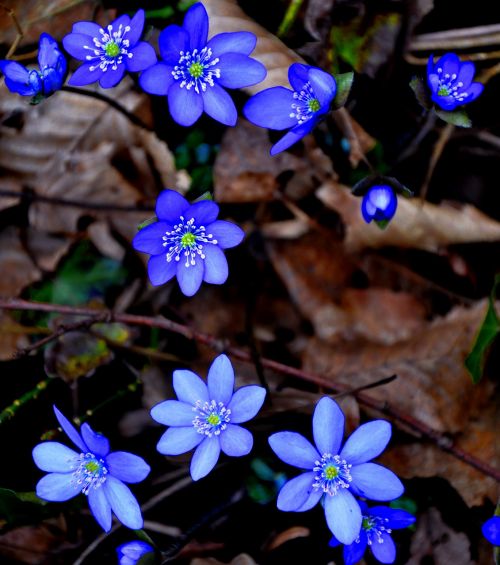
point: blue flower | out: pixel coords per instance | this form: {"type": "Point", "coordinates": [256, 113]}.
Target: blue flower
{"type": "Point", "coordinates": [43, 82]}
{"type": "Point", "coordinates": [187, 242]}
{"type": "Point", "coordinates": [206, 416]}
{"type": "Point", "coordinates": [491, 530]}
{"type": "Point", "coordinates": [450, 82]}
{"type": "Point", "coordinates": [335, 475]}
{"type": "Point", "coordinates": [108, 53]}
{"type": "Point", "coordinates": [194, 72]}
{"type": "Point", "coordinates": [297, 110]}
{"type": "Point", "coordinates": [129, 553]}
{"type": "Point", "coordinates": [379, 204]}
{"type": "Point", "coordinates": [376, 527]}
{"type": "Point", "coordinates": [92, 470]}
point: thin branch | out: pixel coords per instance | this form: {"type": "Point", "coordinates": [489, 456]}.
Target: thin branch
{"type": "Point", "coordinates": [443, 139]}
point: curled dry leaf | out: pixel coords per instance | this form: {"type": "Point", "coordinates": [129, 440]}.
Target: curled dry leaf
{"type": "Point", "coordinates": [287, 535]}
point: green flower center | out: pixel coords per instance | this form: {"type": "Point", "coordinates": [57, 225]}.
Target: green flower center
{"type": "Point", "coordinates": [214, 419]}
{"type": "Point", "coordinates": [331, 472]}
{"type": "Point", "coordinates": [313, 105]}
{"type": "Point", "coordinates": [92, 466]}
{"type": "Point", "coordinates": [443, 91]}
{"type": "Point", "coordinates": [196, 70]}
{"type": "Point", "coordinates": [188, 240]}
{"type": "Point", "coordinates": [367, 523]}
{"type": "Point", "coordinates": [112, 49]}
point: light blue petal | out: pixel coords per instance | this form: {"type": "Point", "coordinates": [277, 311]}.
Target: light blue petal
{"type": "Point", "coordinates": [150, 238]}
{"type": "Point", "coordinates": [179, 440]}
{"type": "Point", "coordinates": [465, 74]}
{"type": "Point", "coordinates": [298, 75]}
{"type": "Point", "coordinates": [57, 487]}
{"type": "Point", "coordinates": [225, 233]}
{"type": "Point", "coordinates": [97, 443]}
{"type": "Point", "coordinates": [127, 467]}
{"type": "Point", "coordinates": [328, 426]}
{"type": "Point", "coordinates": [324, 87]}
{"type": "Point", "coordinates": [474, 90]}
{"type": "Point", "coordinates": [70, 431]}
{"type": "Point", "coordinates": [87, 28]}
{"type": "Point", "coordinates": [219, 105]}
{"type": "Point", "coordinates": [129, 553]}
{"type": "Point", "coordinates": [196, 24]}
{"type": "Point", "coordinates": [232, 42]}
{"type": "Point", "coordinates": [203, 213]}
{"type": "Point", "coordinates": [100, 508]}
{"type": "Point", "coordinates": [173, 413]}
{"type": "Point", "coordinates": [48, 52]}
{"type": "Point", "coordinates": [271, 108]}
{"type": "Point", "coordinates": [313, 499]}
{"type": "Point", "coordinates": [396, 519]}
{"type": "Point", "coordinates": [112, 77]}
{"type": "Point", "coordinates": [157, 79]}
{"type": "Point", "coordinates": [236, 441]}
{"type": "Point", "coordinates": [343, 516]}
{"type": "Point", "coordinates": [293, 136]}
{"type": "Point", "coordinates": [205, 457]}
{"type": "Point", "coordinates": [246, 403]}
{"type": "Point", "coordinates": [123, 503]}
{"type": "Point", "coordinates": [190, 278]}
{"type": "Point", "coordinates": [216, 268]}
{"type": "Point", "coordinates": [354, 552]}
{"type": "Point", "coordinates": [375, 482]}
{"type": "Point", "coordinates": [83, 75]}
{"type": "Point", "coordinates": [185, 106]}
{"type": "Point", "coordinates": [239, 71]}
{"type": "Point", "coordinates": [220, 380]}
{"type": "Point", "coordinates": [189, 387]}
{"type": "Point", "coordinates": [136, 27]}
{"type": "Point", "coordinates": [295, 492]}
{"type": "Point", "coordinates": [160, 270]}
{"type": "Point", "coordinates": [143, 57]}
{"type": "Point", "coordinates": [170, 206]}
{"type": "Point", "coordinates": [367, 442]}
{"type": "Point", "coordinates": [384, 549]}
{"type": "Point", "coordinates": [294, 449]}
{"type": "Point", "coordinates": [54, 457]}
{"type": "Point", "coordinates": [172, 40]}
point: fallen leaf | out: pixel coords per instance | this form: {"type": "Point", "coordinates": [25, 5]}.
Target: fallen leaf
{"type": "Point", "coordinates": [242, 559]}
{"type": "Point", "coordinates": [17, 268]}
{"type": "Point", "coordinates": [287, 535]}
{"type": "Point", "coordinates": [12, 337]}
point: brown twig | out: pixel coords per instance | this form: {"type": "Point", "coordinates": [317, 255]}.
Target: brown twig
{"type": "Point", "coordinates": [443, 139]}
{"type": "Point", "coordinates": [19, 31]}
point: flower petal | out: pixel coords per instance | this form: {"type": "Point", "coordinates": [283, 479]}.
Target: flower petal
{"type": "Point", "coordinates": [160, 270]}
{"type": "Point", "coordinates": [186, 106]}
{"type": "Point", "coordinates": [219, 105]}
{"type": "Point", "coordinates": [143, 57]}
{"type": "Point", "coordinates": [157, 79]}
{"type": "Point", "coordinates": [83, 75]}
{"type": "Point", "coordinates": [225, 233]}
{"type": "Point", "coordinates": [384, 549]}
{"type": "Point", "coordinates": [54, 457]}
{"type": "Point", "coordinates": [77, 45]}
{"type": "Point", "coordinates": [57, 487]}
{"type": "Point", "coordinates": [15, 71]}
{"type": "Point", "coordinates": [295, 493]}
{"type": "Point", "coordinates": [328, 426]}
{"type": "Point", "coordinates": [136, 27]}
{"type": "Point", "coordinates": [449, 63]}
{"type": "Point", "coordinates": [238, 70]}
{"type": "Point", "coordinates": [246, 403]}
{"type": "Point", "coordinates": [396, 519]}
{"type": "Point", "coordinates": [173, 413]}
{"type": "Point", "coordinates": [190, 278]}
{"type": "Point", "coordinates": [294, 449]}
{"type": "Point", "coordinates": [196, 24]}
{"type": "Point", "coordinates": [189, 387]}
{"type": "Point", "coordinates": [313, 499]}
{"type": "Point", "coordinates": [172, 40]}
{"type": "Point", "coordinates": [70, 431]}
{"type": "Point", "coordinates": [220, 380]}
{"type": "Point", "coordinates": [375, 482]}
{"type": "Point", "coordinates": [87, 28]}
{"type": "Point", "coordinates": [466, 74]}
{"type": "Point", "coordinates": [271, 108]}
{"type": "Point", "coordinates": [474, 90]}
{"type": "Point", "coordinates": [97, 443]}
{"type": "Point", "coordinates": [179, 440]}
{"type": "Point", "coordinates": [150, 238]}
{"type": "Point", "coordinates": [123, 503]}
{"type": "Point", "coordinates": [216, 268]}
{"type": "Point", "coordinates": [491, 530]}
{"type": "Point", "coordinates": [236, 441]}
{"type": "Point", "coordinates": [298, 75]}
{"type": "Point", "coordinates": [127, 467]}
{"type": "Point", "coordinates": [111, 77]}
{"type": "Point", "coordinates": [293, 136]}
{"type": "Point", "coordinates": [324, 87]}
{"type": "Point", "coordinates": [203, 213]}
{"type": "Point", "coordinates": [343, 516]}
{"type": "Point", "coordinates": [100, 508]}
{"type": "Point", "coordinates": [355, 551]}
{"type": "Point", "coordinates": [170, 206]}
{"type": "Point", "coordinates": [205, 457]}
{"type": "Point", "coordinates": [232, 42]}
{"type": "Point", "coordinates": [365, 443]}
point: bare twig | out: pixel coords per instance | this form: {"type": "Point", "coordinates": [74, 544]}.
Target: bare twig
{"type": "Point", "coordinates": [19, 31]}
{"type": "Point", "coordinates": [454, 39]}
{"type": "Point", "coordinates": [443, 139]}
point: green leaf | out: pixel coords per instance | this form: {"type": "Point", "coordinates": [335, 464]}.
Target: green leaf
{"type": "Point", "coordinates": [18, 508]}
{"type": "Point", "coordinates": [456, 118]}
{"type": "Point", "coordinates": [344, 84]}
{"type": "Point", "coordinates": [382, 224]}
{"type": "Point", "coordinates": [489, 329]}
{"type": "Point", "coordinates": [147, 222]}
{"type": "Point", "coordinates": [205, 196]}
{"type": "Point", "coordinates": [161, 13]}
{"type": "Point", "coordinates": [421, 94]}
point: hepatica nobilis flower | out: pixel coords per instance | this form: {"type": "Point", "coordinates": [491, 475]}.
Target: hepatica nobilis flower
{"type": "Point", "coordinates": [92, 470]}
{"type": "Point", "coordinates": [187, 241]}
{"type": "Point", "coordinates": [334, 474]}
{"type": "Point", "coordinates": [450, 82]}
{"type": "Point", "coordinates": [38, 83]}
{"type": "Point", "coordinates": [131, 552]}
{"type": "Point", "coordinates": [108, 53]}
{"type": "Point", "coordinates": [297, 109]}
{"type": "Point", "coordinates": [194, 72]}
{"type": "Point", "coordinates": [491, 530]}
{"type": "Point", "coordinates": [376, 528]}
{"type": "Point", "coordinates": [379, 204]}
{"type": "Point", "coordinates": [207, 416]}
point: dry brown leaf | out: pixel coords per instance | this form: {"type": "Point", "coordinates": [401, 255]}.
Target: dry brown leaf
{"type": "Point", "coordinates": [17, 268]}
{"type": "Point", "coordinates": [242, 559]}
{"type": "Point", "coordinates": [12, 337]}
{"type": "Point", "coordinates": [287, 535]}
{"type": "Point", "coordinates": [422, 226]}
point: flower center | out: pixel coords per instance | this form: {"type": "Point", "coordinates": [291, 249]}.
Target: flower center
{"type": "Point", "coordinates": [211, 417]}
{"type": "Point", "coordinates": [332, 474]}
{"type": "Point", "coordinates": [306, 104]}
{"type": "Point", "coordinates": [374, 527]}
{"type": "Point", "coordinates": [186, 239]}
{"type": "Point", "coordinates": [112, 49]}
{"type": "Point", "coordinates": [449, 86]}
{"type": "Point", "coordinates": [314, 105]}
{"type": "Point", "coordinates": [89, 472]}
{"type": "Point", "coordinates": [109, 48]}
{"type": "Point", "coordinates": [195, 69]}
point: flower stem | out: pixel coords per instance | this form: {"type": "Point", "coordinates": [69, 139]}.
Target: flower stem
{"type": "Point", "coordinates": [289, 17]}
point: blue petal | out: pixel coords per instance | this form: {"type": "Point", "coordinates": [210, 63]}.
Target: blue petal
{"type": "Point", "coordinates": [52, 81]}
{"type": "Point", "coordinates": [196, 24]}
{"type": "Point", "coordinates": [48, 52]}
{"type": "Point", "coordinates": [448, 103]}
{"type": "Point", "coordinates": [172, 40]}
{"type": "Point", "coordinates": [246, 403]}
{"type": "Point", "coordinates": [216, 269]}
{"type": "Point", "coordinates": [225, 233]}
{"type": "Point", "coordinates": [160, 270]}
{"type": "Point", "coordinates": [295, 492]}
{"type": "Point", "coordinates": [123, 503]}
{"type": "Point", "coordinates": [430, 65]}
{"type": "Point", "coordinates": [203, 213]}
{"type": "Point", "coordinates": [396, 519]}
{"type": "Point", "coordinates": [179, 440]}
{"type": "Point", "coordinates": [343, 516]}
{"type": "Point", "coordinates": [474, 90]}
{"type": "Point", "coordinates": [324, 87]}
{"type": "Point", "coordinates": [220, 380]}
{"type": "Point", "coordinates": [271, 108]}
{"type": "Point", "coordinates": [294, 135]}
{"type": "Point", "coordinates": [129, 553]}
{"type": "Point", "coordinates": [87, 28]}
{"type": "Point", "coordinates": [218, 105]}
{"type": "Point", "coordinates": [15, 71]}
{"type": "Point", "coordinates": [186, 106]}
{"type": "Point", "coordinates": [83, 75]}
{"type": "Point", "coordinates": [112, 77]}
{"type": "Point", "coordinates": [238, 71]}
{"type": "Point", "coordinates": [54, 457]}
{"type": "Point", "coordinates": [122, 20]}
{"type": "Point", "coordinates": [143, 56]}
{"type": "Point", "coordinates": [313, 499]}
{"type": "Point", "coordinates": [334, 542]}
{"type": "Point", "coordinates": [298, 75]}
{"type": "Point", "coordinates": [433, 81]}
{"type": "Point", "coordinates": [190, 278]}
{"type": "Point", "coordinates": [235, 441]}
{"type": "Point", "coordinates": [384, 549]}
{"type": "Point", "coordinates": [70, 431]}
{"type": "Point", "coordinates": [189, 387]}
{"type": "Point", "coordinates": [465, 75]}
{"type": "Point", "coordinates": [136, 27]}
{"type": "Point", "coordinates": [157, 79]}
{"type": "Point", "coordinates": [232, 42]}
{"type": "Point", "coordinates": [375, 482]}
{"type": "Point", "coordinates": [57, 487]}
{"type": "Point", "coordinates": [170, 206]}
{"type": "Point", "coordinates": [328, 426]}
{"type": "Point", "coordinates": [205, 457]}
{"type": "Point", "coordinates": [368, 441]}
{"type": "Point", "coordinates": [100, 508]}
{"type": "Point", "coordinates": [150, 238]}
{"type": "Point", "coordinates": [76, 44]}
{"type": "Point", "coordinates": [127, 467]}
{"type": "Point", "coordinates": [20, 88]}
{"type": "Point", "coordinates": [491, 530]}
{"type": "Point", "coordinates": [97, 443]}
{"type": "Point", "coordinates": [294, 449]}
{"type": "Point", "coordinates": [450, 63]}
{"type": "Point", "coordinates": [173, 413]}
{"type": "Point", "coordinates": [355, 551]}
